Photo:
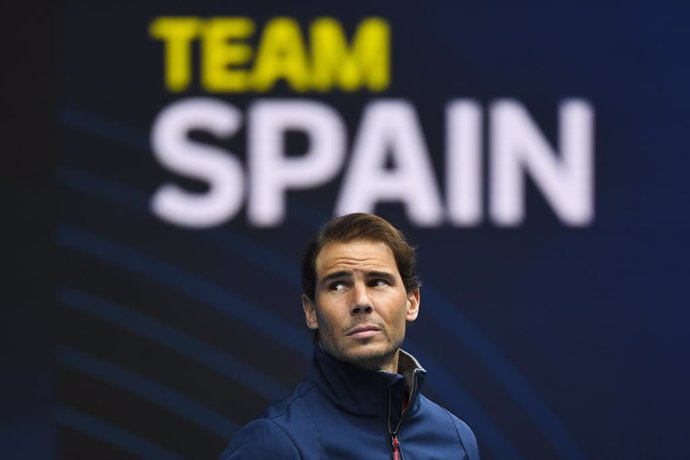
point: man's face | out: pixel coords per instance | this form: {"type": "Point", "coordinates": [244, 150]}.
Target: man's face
{"type": "Point", "coordinates": [360, 305]}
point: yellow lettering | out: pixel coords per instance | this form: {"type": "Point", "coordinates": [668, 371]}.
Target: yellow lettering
{"type": "Point", "coordinates": [177, 33]}
{"type": "Point", "coordinates": [222, 53]}
{"type": "Point", "coordinates": [225, 61]}
{"type": "Point", "coordinates": [281, 54]}
{"type": "Point", "coordinates": [367, 63]}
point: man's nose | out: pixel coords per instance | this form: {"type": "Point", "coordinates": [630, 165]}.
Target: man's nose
{"type": "Point", "coordinates": [360, 301]}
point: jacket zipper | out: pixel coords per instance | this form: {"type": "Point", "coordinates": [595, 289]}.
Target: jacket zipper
{"type": "Point", "coordinates": [397, 452]}
{"type": "Point", "coordinates": [396, 446]}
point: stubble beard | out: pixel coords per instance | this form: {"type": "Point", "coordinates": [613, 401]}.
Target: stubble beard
{"type": "Point", "coordinates": [374, 358]}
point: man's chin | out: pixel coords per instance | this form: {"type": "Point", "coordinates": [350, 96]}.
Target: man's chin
{"type": "Point", "coordinates": [370, 356]}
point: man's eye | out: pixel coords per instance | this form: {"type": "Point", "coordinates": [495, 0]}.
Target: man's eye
{"type": "Point", "coordinates": [337, 287]}
{"type": "Point", "coordinates": [379, 282]}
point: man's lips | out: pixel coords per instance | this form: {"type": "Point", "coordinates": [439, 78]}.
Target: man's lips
{"type": "Point", "coordinates": [364, 331]}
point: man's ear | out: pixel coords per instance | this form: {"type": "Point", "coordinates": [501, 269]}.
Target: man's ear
{"type": "Point", "coordinates": [413, 299]}
{"type": "Point", "coordinates": [309, 313]}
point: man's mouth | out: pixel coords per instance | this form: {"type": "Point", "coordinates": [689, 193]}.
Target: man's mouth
{"type": "Point", "coordinates": [363, 331]}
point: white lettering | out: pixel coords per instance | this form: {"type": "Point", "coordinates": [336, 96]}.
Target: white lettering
{"type": "Point", "coordinates": [174, 150]}
{"type": "Point", "coordinates": [517, 147]}
{"type": "Point", "coordinates": [271, 171]}
{"type": "Point", "coordinates": [390, 162]}
{"type": "Point", "coordinates": [464, 162]}
{"type": "Point", "coordinates": [390, 130]}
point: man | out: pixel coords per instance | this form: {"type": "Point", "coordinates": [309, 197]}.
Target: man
{"type": "Point", "coordinates": [361, 398]}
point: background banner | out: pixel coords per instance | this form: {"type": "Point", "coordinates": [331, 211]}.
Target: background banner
{"type": "Point", "coordinates": [535, 152]}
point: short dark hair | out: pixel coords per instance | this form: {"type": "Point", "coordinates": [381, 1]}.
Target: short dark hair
{"type": "Point", "coordinates": [360, 227]}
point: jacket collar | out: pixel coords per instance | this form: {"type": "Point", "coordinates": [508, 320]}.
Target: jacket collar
{"type": "Point", "coordinates": [364, 392]}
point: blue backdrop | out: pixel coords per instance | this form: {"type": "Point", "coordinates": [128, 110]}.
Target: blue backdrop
{"type": "Point", "coordinates": [550, 339]}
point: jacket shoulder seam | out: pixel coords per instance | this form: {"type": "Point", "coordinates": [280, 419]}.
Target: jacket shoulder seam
{"type": "Point", "coordinates": [457, 431]}
{"type": "Point", "coordinates": [294, 444]}
{"type": "Point", "coordinates": [287, 405]}
{"type": "Point", "coordinates": [273, 418]}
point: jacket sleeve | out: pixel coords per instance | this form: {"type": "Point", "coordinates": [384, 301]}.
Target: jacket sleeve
{"type": "Point", "coordinates": [261, 440]}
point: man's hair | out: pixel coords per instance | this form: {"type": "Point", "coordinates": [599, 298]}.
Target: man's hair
{"type": "Point", "coordinates": [360, 227]}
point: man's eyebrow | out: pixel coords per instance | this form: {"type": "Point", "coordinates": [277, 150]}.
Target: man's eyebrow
{"type": "Point", "coordinates": [380, 275]}
{"type": "Point", "coordinates": [336, 275]}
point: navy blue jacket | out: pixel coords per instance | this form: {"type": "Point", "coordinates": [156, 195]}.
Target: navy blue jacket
{"type": "Point", "coordinates": [340, 411]}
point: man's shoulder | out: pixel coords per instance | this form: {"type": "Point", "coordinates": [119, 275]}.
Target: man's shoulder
{"type": "Point", "coordinates": [464, 432]}
{"type": "Point", "coordinates": [277, 433]}
{"type": "Point", "coordinates": [292, 405]}
{"type": "Point", "coordinates": [261, 439]}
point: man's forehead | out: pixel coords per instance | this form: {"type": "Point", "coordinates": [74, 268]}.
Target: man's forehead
{"type": "Point", "coordinates": [351, 255]}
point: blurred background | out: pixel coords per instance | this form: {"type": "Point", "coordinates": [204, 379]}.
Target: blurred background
{"type": "Point", "coordinates": [166, 163]}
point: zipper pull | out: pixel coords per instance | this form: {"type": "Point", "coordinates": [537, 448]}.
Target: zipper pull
{"type": "Point", "coordinates": [396, 446]}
